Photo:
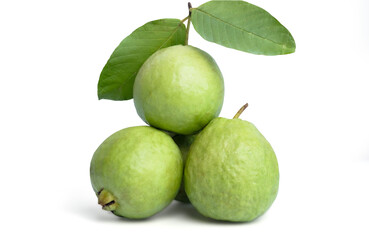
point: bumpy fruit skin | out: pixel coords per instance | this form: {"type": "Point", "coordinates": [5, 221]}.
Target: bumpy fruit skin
{"type": "Point", "coordinates": [231, 172]}
{"type": "Point", "coordinates": [179, 89]}
{"type": "Point", "coordinates": [184, 143]}
{"type": "Point", "coordinates": [141, 167]}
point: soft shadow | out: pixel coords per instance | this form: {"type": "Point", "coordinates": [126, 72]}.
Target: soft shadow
{"type": "Point", "coordinates": [180, 210]}
{"type": "Point", "coordinates": [92, 212]}
{"type": "Point", "coordinates": [188, 211]}
{"type": "Point", "coordinates": [366, 157]}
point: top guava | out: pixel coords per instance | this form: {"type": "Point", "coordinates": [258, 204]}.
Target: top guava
{"type": "Point", "coordinates": [179, 89]}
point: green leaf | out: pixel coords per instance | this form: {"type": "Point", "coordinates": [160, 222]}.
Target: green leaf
{"type": "Point", "coordinates": [117, 77]}
{"type": "Point", "coordinates": [242, 26]}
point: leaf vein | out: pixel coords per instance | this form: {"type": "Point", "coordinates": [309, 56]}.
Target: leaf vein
{"type": "Point", "coordinates": [241, 29]}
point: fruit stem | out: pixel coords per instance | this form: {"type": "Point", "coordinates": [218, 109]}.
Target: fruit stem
{"type": "Point", "coordinates": [106, 200]}
{"type": "Point", "coordinates": [241, 111]}
{"type": "Point", "coordinates": [188, 22]}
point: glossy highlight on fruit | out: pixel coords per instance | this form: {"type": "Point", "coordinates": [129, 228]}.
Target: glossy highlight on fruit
{"type": "Point", "coordinates": [136, 172]}
{"type": "Point", "coordinates": [179, 89]}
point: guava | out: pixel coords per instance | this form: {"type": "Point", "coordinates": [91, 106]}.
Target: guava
{"type": "Point", "coordinates": [136, 172]}
{"type": "Point", "coordinates": [231, 171]}
{"type": "Point", "coordinates": [179, 89]}
{"type": "Point", "coordinates": [184, 143]}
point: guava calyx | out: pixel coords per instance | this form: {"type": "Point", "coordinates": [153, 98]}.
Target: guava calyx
{"type": "Point", "coordinates": [107, 200]}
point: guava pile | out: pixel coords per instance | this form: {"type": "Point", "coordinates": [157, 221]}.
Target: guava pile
{"type": "Point", "coordinates": [224, 167]}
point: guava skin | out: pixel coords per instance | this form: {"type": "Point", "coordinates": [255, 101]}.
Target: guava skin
{"type": "Point", "coordinates": [141, 167]}
{"type": "Point", "coordinates": [184, 143]}
{"type": "Point", "coordinates": [179, 89]}
{"type": "Point", "coordinates": [231, 172]}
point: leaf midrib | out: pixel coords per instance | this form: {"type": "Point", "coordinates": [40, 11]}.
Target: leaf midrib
{"type": "Point", "coordinates": [243, 30]}
{"type": "Point", "coordinates": [171, 35]}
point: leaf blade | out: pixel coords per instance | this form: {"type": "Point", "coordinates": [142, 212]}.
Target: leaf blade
{"type": "Point", "coordinates": [242, 26]}
{"type": "Point", "coordinates": [118, 75]}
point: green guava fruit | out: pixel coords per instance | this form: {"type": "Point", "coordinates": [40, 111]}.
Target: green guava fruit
{"type": "Point", "coordinates": [231, 171]}
{"type": "Point", "coordinates": [184, 143]}
{"type": "Point", "coordinates": [136, 172]}
{"type": "Point", "coordinates": [179, 89]}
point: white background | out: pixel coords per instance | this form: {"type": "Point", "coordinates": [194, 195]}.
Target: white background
{"type": "Point", "coordinates": [311, 105]}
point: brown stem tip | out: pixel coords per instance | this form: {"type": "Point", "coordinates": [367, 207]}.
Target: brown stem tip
{"type": "Point", "coordinates": [241, 111]}
{"type": "Point", "coordinates": [189, 8]}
